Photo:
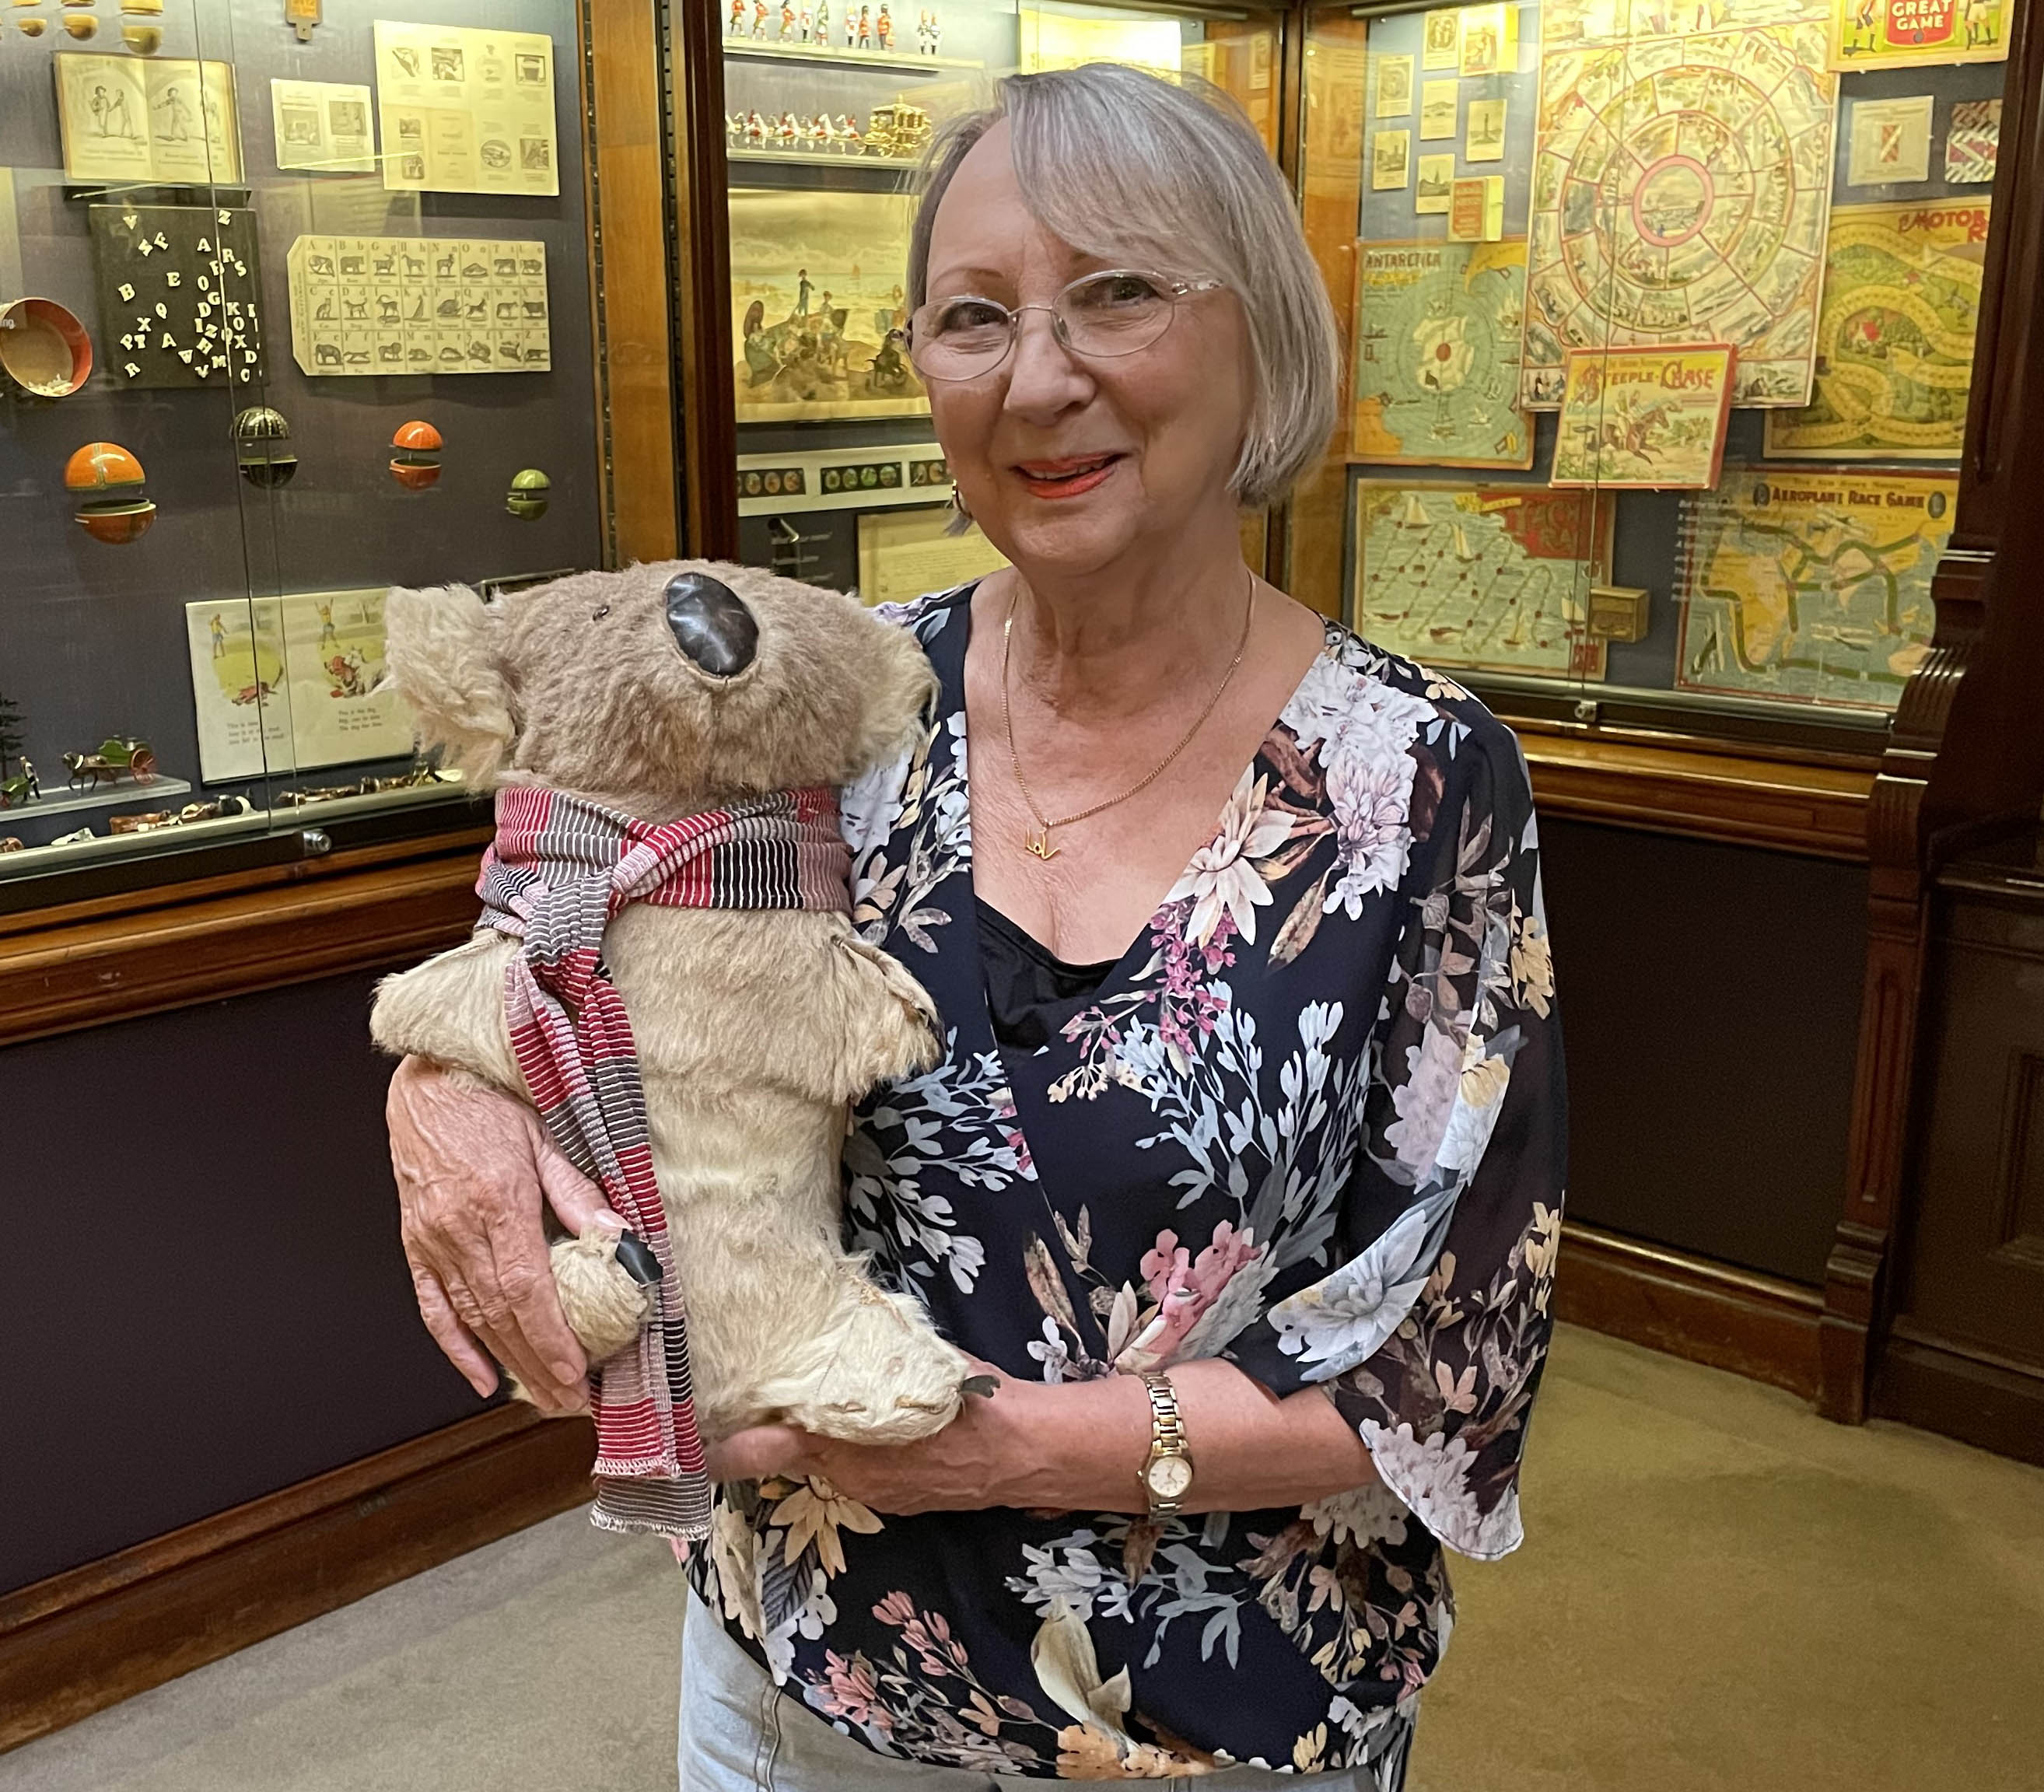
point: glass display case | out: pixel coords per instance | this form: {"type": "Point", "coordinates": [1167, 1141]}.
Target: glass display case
{"type": "Point", "coordinates": [828, 108]}
{"type": "Point", "coordinates": [1660, 328]}
{"type": "Point", "coordinates": [295, 306]}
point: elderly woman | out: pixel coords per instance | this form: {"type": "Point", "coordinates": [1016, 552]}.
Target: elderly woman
{"type": "Point", "coordinates": [1243, 1167]}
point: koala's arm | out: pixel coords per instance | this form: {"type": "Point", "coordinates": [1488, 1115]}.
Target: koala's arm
{"type": "Point", "coordinates": [451, 1009]}
{"type": "Point", "coordinates": [878, 1025]}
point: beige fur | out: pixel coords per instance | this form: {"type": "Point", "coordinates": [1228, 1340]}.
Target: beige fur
{"type": "Point", "coordinates": [754, 1028]}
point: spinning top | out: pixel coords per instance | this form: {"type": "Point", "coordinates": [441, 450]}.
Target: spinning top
{"type": "Point", "coordinates": [44, 348]}
{"type": "Point", "coordinates": [108, 481]}
{"type": "Point", "coordinates": [416, 464]}
{"type": "Point", "coordinates": [530, 492]}
{"type": "Point", "coordinates": [262, 448]}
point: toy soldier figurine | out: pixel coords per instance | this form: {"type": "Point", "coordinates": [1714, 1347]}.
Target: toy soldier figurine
{"type": "Point", "coordinates": [759, 18]}
{"type": "Point", "coordinates": [851, 27]}
{"type": "Point", "coordinates": [885, 28]}
{"type": "Point", "coordinates": [787, 21]}
{"type": "Point", "coordinates": [737, 18]}
{"type": "Point", "coordinates": [823, 23]}
{"type": "Point", "coordinates": [865, 28]}
{"type": "Point", "coordinates": [806, 24]}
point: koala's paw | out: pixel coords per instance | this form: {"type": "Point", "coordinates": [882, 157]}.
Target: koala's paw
{"type": "Point", "coordinates": [891, 1379]}
{"type": "Point", "coordinates": [605, 1307]}
{"type": "Point", "coordinates": [897, 1032]}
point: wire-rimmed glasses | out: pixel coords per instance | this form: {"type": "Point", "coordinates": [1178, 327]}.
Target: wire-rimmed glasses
{"type": "Point", "coordinates": [1120, 312]}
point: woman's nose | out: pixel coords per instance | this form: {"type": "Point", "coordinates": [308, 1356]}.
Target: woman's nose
{"type": "Point", "coordinates": [711, 625]}
{"type": "Point", "coordinates": [1043, 374]}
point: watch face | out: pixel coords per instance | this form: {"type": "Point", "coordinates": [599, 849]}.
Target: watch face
{"type": "Point", "coordinates": [1169, 1477]}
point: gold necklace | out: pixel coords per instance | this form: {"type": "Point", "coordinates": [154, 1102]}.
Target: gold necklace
{"type": "Point", "coordinates": [1038, 843]}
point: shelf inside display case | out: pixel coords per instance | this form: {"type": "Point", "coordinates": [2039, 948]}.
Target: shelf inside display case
{"type": "Point", "coordinates": [62, 801]}
{"type": "Point", "coordinates": [898, 61]}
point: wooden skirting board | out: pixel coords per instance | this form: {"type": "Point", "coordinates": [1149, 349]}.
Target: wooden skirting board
{"type": "Point", "coordinates": [1755, 1325]}
{"type": "Point", "coordinates": [80, 1641]}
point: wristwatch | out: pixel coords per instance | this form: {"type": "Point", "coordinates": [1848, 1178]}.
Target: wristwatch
{"type": "Point", "coordinates": [1167, 1478]}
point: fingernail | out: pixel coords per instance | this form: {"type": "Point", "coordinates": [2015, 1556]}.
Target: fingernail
{"type": "Point", "coordinates": [564, 1374]}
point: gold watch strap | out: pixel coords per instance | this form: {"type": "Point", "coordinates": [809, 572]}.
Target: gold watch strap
{"type": "Point", "coordinates": [1167, 1438]}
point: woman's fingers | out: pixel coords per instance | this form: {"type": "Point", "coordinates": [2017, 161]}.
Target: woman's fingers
{"type": "Point", "coordinates": [453, 1337]}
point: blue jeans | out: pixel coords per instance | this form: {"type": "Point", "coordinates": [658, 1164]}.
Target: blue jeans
{"type": "Point", "coordinates": [740, 1733]}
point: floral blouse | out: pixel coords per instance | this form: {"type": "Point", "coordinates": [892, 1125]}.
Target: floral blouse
{"type": "Point", "coordinates": [1312, 1122]}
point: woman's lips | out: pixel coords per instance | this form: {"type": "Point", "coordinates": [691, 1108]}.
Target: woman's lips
{"type": "Point", "coordinates": [1067, 478]}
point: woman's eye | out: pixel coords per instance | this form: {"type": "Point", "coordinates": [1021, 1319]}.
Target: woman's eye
{"type": "Point", "coordinates": [971, 314]}
{"type": "Point", "coordinates": [1117, 289]}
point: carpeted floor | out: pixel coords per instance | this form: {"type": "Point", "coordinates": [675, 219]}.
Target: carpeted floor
{"type": "Point", "coordinates": [1719, 1593]}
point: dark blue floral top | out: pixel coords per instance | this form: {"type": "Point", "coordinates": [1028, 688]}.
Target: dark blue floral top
{"type": "Point", "coordinates": [1312, 1122]}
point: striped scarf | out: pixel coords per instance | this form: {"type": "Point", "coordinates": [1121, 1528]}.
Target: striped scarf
{"type": "Point", "coordinates": [560, 868]}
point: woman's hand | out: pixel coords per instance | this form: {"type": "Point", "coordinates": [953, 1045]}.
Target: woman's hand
{"type": "Point", "coordinates": [473, 1166]}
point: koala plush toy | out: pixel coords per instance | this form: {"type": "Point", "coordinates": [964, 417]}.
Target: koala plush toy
{"type": "Point", "coordinates": [665, 700]}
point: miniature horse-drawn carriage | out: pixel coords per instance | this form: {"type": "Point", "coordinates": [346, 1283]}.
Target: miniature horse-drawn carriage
{"type": "Point", "coordinates": [117, 757]}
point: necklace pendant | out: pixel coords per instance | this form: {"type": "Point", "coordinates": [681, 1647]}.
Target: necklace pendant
{"type": "Point", "coordinates": [1039, 843]}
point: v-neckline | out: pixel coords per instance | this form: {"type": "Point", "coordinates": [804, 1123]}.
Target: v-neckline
{"type": "Point", "coordinates": [1122, 971]}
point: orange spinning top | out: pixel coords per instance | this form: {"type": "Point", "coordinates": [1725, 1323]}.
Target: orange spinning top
{"type": "Point", "coordinates": [108, 481]}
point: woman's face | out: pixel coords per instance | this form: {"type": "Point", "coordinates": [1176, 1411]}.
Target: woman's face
{"type": "Point", "coordinates": [1070, 464]}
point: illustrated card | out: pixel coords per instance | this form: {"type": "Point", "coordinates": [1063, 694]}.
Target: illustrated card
{"type": "Point", "coordinates": [322, 127]}
{"type": "Point", "coordinates": [466, 111]}
{"type": "Point", "coordinates": [1680, 191]}
{"type": "Point", "coordinates": [180, 295]}
{"type": "Point", "coordinates": [1439, 106]}
{"type": "Point", "coordinates": [1441, 39]}
{"type": "Point", "coordinates": [1889, 141]}
{"type": "Point", "coordinates": [1812, 586]}
{"type": "Point", "coordinates": [1917, 33]}
{"type": "Point", "coordinates": [1485, 578]}
{"type": "Point", "coordinates": [1437, 180]}
{"type": "Point", "coordinates": [819, 305]}
{"type": "Point", "coordinates": [1490, 39]}
{"type": "Point", "coordinates": [1390, 160]}
{"type": "Point", "coordinates": [1895, 337]}
{"type": "Point", "coordinates": [362, 306]}
{"type": "Point", "coordinates": [1650, 419]}
{"type": "Point", "coordinates": [167, 122]}
{"type": "Point", "coordinates": [1484, 120]}
{"type": "Point", "coordinates": [1973, 140]}
{"type": "Point", "coordinates": [1394, 87]}
{"type": "Point", "coordinates": [1567, 23]}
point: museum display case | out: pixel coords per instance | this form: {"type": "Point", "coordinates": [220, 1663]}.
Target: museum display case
{"type": "Point", "coordinates": [1661, 325]}
{"type": "Point", "coordinates": [257, 370]}
{"type": "Point", "coordinates": [827, 107]}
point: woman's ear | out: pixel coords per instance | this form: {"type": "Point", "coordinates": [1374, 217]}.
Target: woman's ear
{"type": "Point", "coordinates": [441, 651]}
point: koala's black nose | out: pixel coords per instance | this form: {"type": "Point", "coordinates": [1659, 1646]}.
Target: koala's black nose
{"type": "Point", "coordinates": [711, 625]}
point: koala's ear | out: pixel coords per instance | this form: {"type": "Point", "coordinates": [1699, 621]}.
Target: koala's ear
{"type": "Point", "coordinates": [440, 648]}
{"type": "Point", "coordinates": [897, 684]}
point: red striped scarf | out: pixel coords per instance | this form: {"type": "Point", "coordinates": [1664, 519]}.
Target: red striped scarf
{"type": "Point", "coordinates": [560, 868]}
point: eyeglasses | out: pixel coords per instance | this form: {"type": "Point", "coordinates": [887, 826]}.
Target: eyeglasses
{"type": "Point", "coordinates": [1098, 315]}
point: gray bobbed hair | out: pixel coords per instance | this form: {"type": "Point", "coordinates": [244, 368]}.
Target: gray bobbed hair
{"type": "Point", "coordinates": [1171, 176]}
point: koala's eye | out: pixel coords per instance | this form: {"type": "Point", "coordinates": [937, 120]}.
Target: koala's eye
{"type": "Point", "coordinates": [599, 613]}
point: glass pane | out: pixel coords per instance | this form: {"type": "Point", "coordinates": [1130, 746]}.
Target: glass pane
{"type": "Point", "coordinates": [841, 481]}
{"type": "Point", "coordinates": [1719, 302]}
{"type": "Point", "coordinates": [331, 283]}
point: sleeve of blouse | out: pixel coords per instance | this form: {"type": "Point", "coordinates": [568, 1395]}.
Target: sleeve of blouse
{"type": "Point", "coordinates": [1432, 1331]}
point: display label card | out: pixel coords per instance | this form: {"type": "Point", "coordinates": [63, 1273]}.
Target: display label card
{"type": "Point", "coordinates": [1653, 419]}
{"type": "Point", "coordinates": [1476, 208]}
{"type": "Point", "coordinates": [1917, 33]}
{"type": "Point", "coordinates": [383, 304]}
{"type": "Point", "coordinates": [464, 111]}
{"type": "Point", "coordinates": [1890, 143]}
{"type": "Point", "coordinates": [288, 684]}
{"type": "Point", "coordinates": [166, 122]}
{"type": "Point", "coordinates": [322, 127]}
{"type": "Point", "coordinates": [1972, 142]}
{"type": "Point", "coordinates": [903, 554]}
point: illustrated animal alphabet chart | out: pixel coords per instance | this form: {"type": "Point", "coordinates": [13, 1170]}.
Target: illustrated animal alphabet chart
{"type": "Point", "coordinates": [179, 294]}
{"type": "Point", "coordinates": [391, 305]}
